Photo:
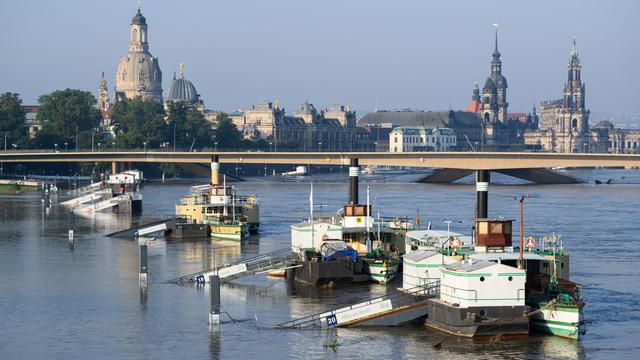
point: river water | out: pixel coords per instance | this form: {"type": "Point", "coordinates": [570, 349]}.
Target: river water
{"type": "Point", "coordinates": [62, 302]}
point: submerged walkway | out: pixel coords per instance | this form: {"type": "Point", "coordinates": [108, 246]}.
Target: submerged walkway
{"type": "Point", "coordinates": [250, 266]}
{"type": "Point", "coordinates": [391, 309]}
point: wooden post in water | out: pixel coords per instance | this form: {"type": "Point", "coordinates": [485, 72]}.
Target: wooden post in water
{"type": "Point", "coordinates": [214, 295]}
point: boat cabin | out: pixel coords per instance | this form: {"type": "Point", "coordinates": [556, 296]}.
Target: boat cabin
{"type": "Point", "coordinates": [421, 267]}
{"type": "Point", "coordinates": [357, 216]}
{"type": "Point", "coordinates": [480, 283]}
{"type": "Point", "coordinates": [493, 235]}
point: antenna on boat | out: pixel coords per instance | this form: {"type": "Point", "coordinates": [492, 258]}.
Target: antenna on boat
{"type": "Point", "coordinates": [311, 215]}
{"type": "Point", "coordinates": [366, 221]}
{"type": "Point", "coordinates": [224, 192]}
{"type": "Point", "coordinates": [521, 257]}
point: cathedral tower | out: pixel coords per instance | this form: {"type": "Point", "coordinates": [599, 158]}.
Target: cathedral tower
{"type": "Point", "coordinates": [494, 93]}
{"type": "Point", "coordinates": [138, 72]}
{"type": "Point", "coordinates": [573, 94]}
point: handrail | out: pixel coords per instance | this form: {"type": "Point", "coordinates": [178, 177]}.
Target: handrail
{"type": "Point", "coordinates": [255, 260]}
{"type": "Point", "coordinates": [418, 292]}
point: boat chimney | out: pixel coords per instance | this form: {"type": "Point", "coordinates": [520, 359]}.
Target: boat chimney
{"type": "Point", "coordinates": [215, 170]}
{"type": "Point", "coordinates": [353, 181]}
{"type": "Point", "coordinates": [482, 194]}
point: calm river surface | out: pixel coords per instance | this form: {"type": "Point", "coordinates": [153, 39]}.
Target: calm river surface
{"type": "Point", "coordinates": [84, 303]}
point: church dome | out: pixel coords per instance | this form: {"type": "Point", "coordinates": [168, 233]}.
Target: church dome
{"type": "Point", "coordinates": [182, 90]}
{"type": "Point", "coordinates": [489, 84]}
{"type": "Point", "coordinates": [139, 74]}
{"type": "Point", "coordinates": [306, 109]}
{"type": "Point", "coordinates": [604, 124]}
{"type": "Point", "coordinates": [138, 19]}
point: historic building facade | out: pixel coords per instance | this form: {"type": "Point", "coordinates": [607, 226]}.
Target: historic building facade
{"type": "Point", "coordinates": [404, 139]}
{"type": "Point", "coordinates": [564, 126]}
{"type": "Point", "coordinates": [138, 73]}
{"type": "Point", "coordinates": [333, 129]}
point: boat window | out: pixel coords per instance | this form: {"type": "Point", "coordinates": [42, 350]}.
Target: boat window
{"type": "Point", "coordinates": [496, 228]}
{"type": "Point", "coordinates": [481, 278]}
{"type": "Point", "coordinates": [483, 228]}
{"type": "Point", "coordinates": [510, 278]}
{"type": "Point", "coordinates": [507, 227]}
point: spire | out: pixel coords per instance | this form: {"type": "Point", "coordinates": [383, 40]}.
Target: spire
{"type": "Point", "coordinates": [534, 107]}
{"type": "Point", "coordinates": [476, 92]}
{"type": "Point", "coordinates": [496, 53]}
{"type": "Point", "coordinates": [139, 4]}
{"type": "Point", "coordinates": [574, 51]}
{"type": "Point", "coordinates": [181, 66]}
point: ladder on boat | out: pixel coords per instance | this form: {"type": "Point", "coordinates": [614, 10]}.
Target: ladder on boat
{"type": "Point", "coordinates": [388, 310]}
{"type": "Point", "coordinates": [250, 266]}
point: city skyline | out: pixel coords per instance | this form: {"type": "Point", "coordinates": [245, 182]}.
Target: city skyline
{"type": "Point", "coordinates": [336, 54]}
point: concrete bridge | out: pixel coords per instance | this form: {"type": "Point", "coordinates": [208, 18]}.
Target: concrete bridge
{"type": "Point", "coordinates": [528, 165]}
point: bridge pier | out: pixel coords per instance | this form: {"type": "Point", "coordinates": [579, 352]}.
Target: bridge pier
{"type": "Point", "coordinates": [114, 167]}
{"type": "Point", "coordinates": [354, 170]}
{"type": "Point", "coordinates": [482, 194]}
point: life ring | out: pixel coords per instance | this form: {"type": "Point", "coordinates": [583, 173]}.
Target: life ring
{"type": "Point", "coordinates": [531, 242]}
{"type": "Point", "coordinates": [455, 242]}
{"type": "Point", "coordinates": [396, 221]}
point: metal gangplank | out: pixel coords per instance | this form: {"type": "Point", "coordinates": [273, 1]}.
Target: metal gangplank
{"type": "Point", "coordinates": [88, 198]}
{"type": "Point", "coordinates": [145, 229]}
{"type": "Point", "coordinates": [86, 189]}
{"type": "Point", "coordinates": [389, 310]}
{"type": "Point", "coordinates": [278, 259]}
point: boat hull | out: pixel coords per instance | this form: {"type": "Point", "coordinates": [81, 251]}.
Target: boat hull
{"type": "Point", "coordinates": [382, 273]}
{"type": "Point", "coordinates": [564, 321]}
{"type": "Point", "coordinates": [230, 232]}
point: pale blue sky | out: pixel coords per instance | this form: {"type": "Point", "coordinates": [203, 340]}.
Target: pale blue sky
{"type": "Point", "coordinates": [371, 53]}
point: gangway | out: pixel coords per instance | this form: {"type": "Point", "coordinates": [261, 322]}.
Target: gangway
{"type": "Point", "coordinates": [388, 310]}
{"type": "Point", "coordinates": [92, 197]}
{"type": "Point", "coordinates": [86, 189]}
{"type": "Point", "coordinates": [251, 266]}
{"type": "Point", "coordinates": [145, 229]}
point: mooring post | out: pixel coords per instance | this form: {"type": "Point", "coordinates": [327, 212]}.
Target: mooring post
{"type": "Point", "coordinates": [215, 170]}
{"type": "Point", "coordinates": [142, 244]}
{"type": "Point", "coordinates": [214, 295]}
{"type": "Point", "coordinates": [72, 226]}
{"type": "Point", "coordinates": [482, 194]}
{"type": "Point", "coordinates": [354, 169]}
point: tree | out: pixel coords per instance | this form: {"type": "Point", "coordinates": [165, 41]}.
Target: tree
{"type": "Point", "coordinates": [12, 120]}
{"type": "Point", "coordinates": [67, 115]}
{"type": "Point", "coordinates": [191, 127]}
{"type": "Point", "coordinates": [137, 121]}
{"type": "Point", "coordinates": [226, 134]}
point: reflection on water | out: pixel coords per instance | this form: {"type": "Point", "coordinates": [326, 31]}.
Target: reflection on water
{"type": "Point", "coordinates": [87, 303]}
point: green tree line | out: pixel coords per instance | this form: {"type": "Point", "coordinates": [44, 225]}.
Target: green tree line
{"type": "Point", "coordinates": [70, 116]}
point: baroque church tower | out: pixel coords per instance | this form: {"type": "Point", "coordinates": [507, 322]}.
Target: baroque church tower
{"type": "Point", "coordinates": [573, 95]}
{"type": "Point", "coordinates": [138, 72]}
{"type": "Point", "coordinates": [103, 95]}
{"type": "Point", "coordinates": [494, 93]}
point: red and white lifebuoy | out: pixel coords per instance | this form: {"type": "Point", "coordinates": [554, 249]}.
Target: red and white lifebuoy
{"type": "Point", "coordinates": [531, 242]}
{"type": "Point", "coordinates": [396, 221]}
{"type": "Point", "coordinates": [455, 243]}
